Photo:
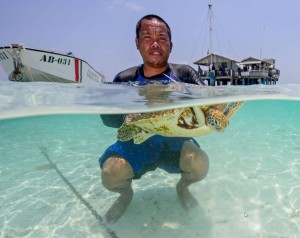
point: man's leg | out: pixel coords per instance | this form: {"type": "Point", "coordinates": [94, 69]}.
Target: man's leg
{"type": "Point", "coordinates": [194, 164]}
{"type": "Point", "coordinates": [117, 177]}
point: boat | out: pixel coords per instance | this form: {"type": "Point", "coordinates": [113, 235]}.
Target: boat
{"type": "Point", "coordinates": [221, 70]}
{"type": "Point", "coordinates": [31, 65]}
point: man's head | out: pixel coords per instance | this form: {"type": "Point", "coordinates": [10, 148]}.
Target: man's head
{"type": "Point", "coordinates": [151, 17]}
{"type": "Point", "coordinates": [153, 40]}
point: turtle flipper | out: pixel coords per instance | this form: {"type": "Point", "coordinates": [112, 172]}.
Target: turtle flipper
{"type": "Point", "coordinates": [141, 136]}
{"type": "Point", "coordinates": [199, 116]}
{"type": "Point", "coordinates": [232, 108]}
{"type": "Point", "coordinates": [128, 132]}
{"type": "Point", "coordinates": [125, 132]}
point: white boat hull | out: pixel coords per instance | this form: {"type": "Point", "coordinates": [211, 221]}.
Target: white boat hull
{"type": "Point", "coordinates": [29, 65]}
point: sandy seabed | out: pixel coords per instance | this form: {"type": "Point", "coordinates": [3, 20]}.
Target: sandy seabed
{"type": "Point", "coordinates": [252, 188]}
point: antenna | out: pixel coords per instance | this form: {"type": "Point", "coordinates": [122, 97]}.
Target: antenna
{"type": "Point", "coordinates": [263, 28]}
{"type": "Point", "coordinates": [210, 32]}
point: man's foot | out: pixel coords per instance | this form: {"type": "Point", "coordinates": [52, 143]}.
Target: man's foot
{"type": "Point", "coordinates": [188, 201]}
{"type": "Point", "coordinates": [119, 207]}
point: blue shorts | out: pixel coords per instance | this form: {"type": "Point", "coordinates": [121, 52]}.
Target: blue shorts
{"type": "Point", "coordinates": [156, 152]}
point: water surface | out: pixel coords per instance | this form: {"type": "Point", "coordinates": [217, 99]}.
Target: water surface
{"type": "Point", "coordinates": [50, 178]}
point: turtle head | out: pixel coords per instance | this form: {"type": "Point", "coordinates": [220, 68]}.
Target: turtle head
{"type": "Point", "coordinates": [216, 119]}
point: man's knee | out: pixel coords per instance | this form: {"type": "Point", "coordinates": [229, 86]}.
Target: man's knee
{"type": "Point", "coordinates": [116, 173]}
{"type": "Point", "coordinates": [194, 161]}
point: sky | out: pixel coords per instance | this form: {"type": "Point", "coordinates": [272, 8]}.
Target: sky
{"type": "Point", "coordinates": [102, 32]}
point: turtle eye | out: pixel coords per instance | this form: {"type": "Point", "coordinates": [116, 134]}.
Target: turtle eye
{"type": "Point", "coordinates": [218, 125]}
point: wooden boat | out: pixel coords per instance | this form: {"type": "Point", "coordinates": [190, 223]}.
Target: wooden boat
{"type": "Point", "coordinates": [30, 65]}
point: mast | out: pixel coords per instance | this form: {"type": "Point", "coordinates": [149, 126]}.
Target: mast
{"type": "Point", "coordinates": [210, 31]}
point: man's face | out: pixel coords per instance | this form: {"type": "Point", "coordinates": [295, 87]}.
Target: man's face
{"type": "Point", "coordinates": [154, 43]}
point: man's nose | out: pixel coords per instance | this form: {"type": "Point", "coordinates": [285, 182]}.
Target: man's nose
{"type": "Point", "coordinates": [155, 44]}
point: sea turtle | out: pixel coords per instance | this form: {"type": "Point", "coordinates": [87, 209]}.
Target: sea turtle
{"type": "Point", "coordinates": [181, 122]}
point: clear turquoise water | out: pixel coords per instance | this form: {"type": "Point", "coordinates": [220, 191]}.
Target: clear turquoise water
{"type": "Point", "coordinates": [252, 189]}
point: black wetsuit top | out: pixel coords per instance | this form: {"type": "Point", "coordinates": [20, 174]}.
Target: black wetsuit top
{"type": "Point", "coordinates": [182, 73]}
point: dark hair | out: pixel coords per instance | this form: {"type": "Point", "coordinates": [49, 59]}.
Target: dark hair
{"type": "Point", "coordinates": [150, 17]}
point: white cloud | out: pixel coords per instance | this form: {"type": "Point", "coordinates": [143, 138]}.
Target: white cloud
{"type": "Point", "coordinates": [127, 4]}
{"type": "Point", "coordinates": [132, 6]}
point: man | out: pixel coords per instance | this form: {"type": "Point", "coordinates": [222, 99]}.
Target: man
{"type": "Point", "coordinates": [124, 161]}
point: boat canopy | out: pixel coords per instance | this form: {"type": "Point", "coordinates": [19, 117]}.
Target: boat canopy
{"type": "Point", "coordinates": [255, 61]}
{"type": "Point", "coordinates": [216, 59]}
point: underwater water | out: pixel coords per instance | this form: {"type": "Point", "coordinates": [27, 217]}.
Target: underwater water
{"type": "Point", "coordinates": [50, 179]}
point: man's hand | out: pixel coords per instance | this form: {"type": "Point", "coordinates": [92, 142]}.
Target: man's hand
{"type": "Point", "coordinates": [131, 117]}
{"type": "Point", "coordinates": [220, 107]}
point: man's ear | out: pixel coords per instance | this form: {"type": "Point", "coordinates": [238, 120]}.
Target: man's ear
{"type": "Point", "coordinates": [137, 42]}
{"type": "Point", "coordinates": [171, 46]}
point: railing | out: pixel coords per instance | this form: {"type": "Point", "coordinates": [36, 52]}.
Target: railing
{"type": "Point", "coordinates": [258, 73]}
{"type": "Point", "coordinates": [255, 74]}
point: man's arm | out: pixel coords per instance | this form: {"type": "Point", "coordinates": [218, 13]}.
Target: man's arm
{"type": "Point", "coordinates": [189, 75]}
{"type": "Point", "coordinates": [114, 121]}
{"type": "Point", "coordinates": [126, 75]}
{"type": "Point", "coordinates": [186, 74]}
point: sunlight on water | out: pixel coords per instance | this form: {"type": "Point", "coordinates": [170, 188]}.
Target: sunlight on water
{"type": "Point", "coordinates": [50, 177]}
{"type": "Point", "coordinates": [23, 99]}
